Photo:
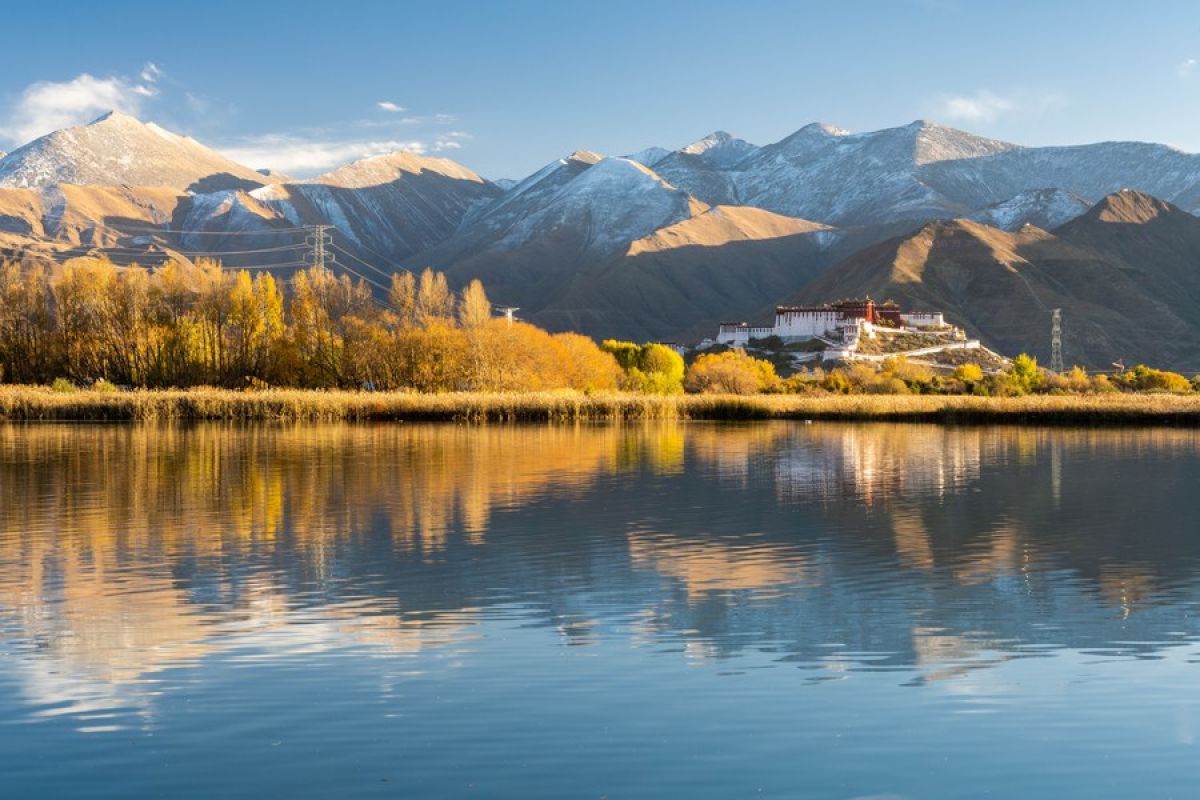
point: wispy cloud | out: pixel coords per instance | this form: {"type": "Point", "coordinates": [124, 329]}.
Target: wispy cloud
{"type": "Point", "coordinates": [982, 106]}
{"type": "Point", "coordinates": [45, 106]}
{"type": "Point", "coordinates": [305, 157]}
{"type": "Point", "coordinates": [1186, 68]}
{"type": "Point", "coordinates": [151, 72]}
{"type": "Point", "coordinates": [389, 106]}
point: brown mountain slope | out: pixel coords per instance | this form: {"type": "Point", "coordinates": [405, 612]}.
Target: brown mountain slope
{"type": "Point", "coordinates": [680, 281]}
{"type": "Point", "coordinates": [1155, 241]}
{"type": "Point", "coordinates": [1000, 285]}
{"type": "Point", "coordinates": [720, 261]}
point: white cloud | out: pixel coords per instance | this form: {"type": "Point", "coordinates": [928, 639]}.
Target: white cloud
{"type": "Point", "coordinates": [304, 157]}
{"type": "Point", "coordinates": [983, 106]}
{"type": "Point", "coordinates": [46, 106]}
{"type": "Point", "coordinates": [447, 144]}
{"type": "Point", "coordinates": [388, 105]}
{"type": "Point", "coordinates": [1186, 67]}
{"type": "Point", "coordinates": [151, 72]}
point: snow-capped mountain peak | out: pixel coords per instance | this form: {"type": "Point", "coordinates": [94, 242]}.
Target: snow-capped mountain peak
{"type": "Point", "coordinates": [389, 167]}
{"type": "Point", "coordinates": [720, 149]}
{"type": "Point", "coordinates": [116, 149]}
{"type": "Point", "coordinates": [614, 202]}
{"type": "Point", "coordinates": [583, 157]}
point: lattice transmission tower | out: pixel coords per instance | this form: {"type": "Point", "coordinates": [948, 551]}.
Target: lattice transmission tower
{"type": "Point", "coordinates": [318, 241]}
{"type": "Point", "coordinates": [1056, 356]}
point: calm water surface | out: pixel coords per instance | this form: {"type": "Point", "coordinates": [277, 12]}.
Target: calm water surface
{"type": "Point", "coordinates": [696, 610]}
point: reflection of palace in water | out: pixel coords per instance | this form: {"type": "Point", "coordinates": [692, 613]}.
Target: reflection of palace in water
{"type": "Point", "coordinates": [128, 550]}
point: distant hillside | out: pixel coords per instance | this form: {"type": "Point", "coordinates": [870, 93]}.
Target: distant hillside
{"type": "Point", "coordinates": [1123, 273]}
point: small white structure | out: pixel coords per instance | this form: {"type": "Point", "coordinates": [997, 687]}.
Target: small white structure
{"type": "Point", "coordinates": [739, 334]}
{"type": "Point", "coordinates": [922, 319]}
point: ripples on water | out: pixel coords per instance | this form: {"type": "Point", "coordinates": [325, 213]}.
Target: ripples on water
{"type": "Point", "coordinates": [672, 610]}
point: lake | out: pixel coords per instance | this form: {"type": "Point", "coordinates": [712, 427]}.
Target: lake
{"type": "Point", "coordinates": [640, 611]}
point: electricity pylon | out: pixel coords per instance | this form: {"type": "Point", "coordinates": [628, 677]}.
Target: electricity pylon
{"type": "Point", "coordinates": [1056, 356]}
{"type": "Point", "coordinates": [317, 241]}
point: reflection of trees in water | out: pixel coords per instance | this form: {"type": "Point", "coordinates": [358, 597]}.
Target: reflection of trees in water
{"type": "Point", "coordinates": [127, 549]}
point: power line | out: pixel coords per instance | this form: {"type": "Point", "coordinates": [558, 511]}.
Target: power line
{"type": "Point", "coordinates": [385, 259]}
{"type": "Point", "coordinates": [203, 253]}
{"type": "Point", "coordinates": [265, 232]}
{"type": "Point", "coordinates": [367, 264]}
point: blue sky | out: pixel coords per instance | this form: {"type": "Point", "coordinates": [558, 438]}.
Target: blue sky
{"type": "Point", "coordinates": [507, 87]}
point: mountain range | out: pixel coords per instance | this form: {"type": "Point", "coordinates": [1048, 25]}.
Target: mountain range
{"type": "Point", "coordinates": [662, 244]}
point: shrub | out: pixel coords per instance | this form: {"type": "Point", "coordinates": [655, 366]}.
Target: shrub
{"type": "Point", "coordinates": [1144, 379]}
{"type": "Point", "coordinates": [733, 372]}
{"type": "Point", "coordinates": [650, 368]}
{"type": "Point", "coordinates": [969, 374]}
{"type": "Point", "coordinates": [1024, 375]}
{"type": "Point", "coordinates": [104, 386]}
{"type": "Point", "coordinates": [63, 386]}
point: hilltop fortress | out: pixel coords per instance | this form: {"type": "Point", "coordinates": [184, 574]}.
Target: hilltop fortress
{"type": "Point", "coordinates": [843, 320]}
{"type": "Point", "coordinates": [859, 330]}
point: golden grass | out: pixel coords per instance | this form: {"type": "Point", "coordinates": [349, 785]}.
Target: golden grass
{"type": "Point", "coordinates": [24, 403]}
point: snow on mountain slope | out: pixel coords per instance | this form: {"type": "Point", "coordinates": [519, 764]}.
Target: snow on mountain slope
{"type": "Point", "coordinates": [608, 205]}
{"type": "Point", "coordinates": [568, 216]}
{"type": "Point", "coordinates": [706, 168]}
{"type": "Point", "coordinates": [527, 195]}
{"type": "Point", "coordinates": [720, 149]}
{"type": "Point", "coordinates": [1090, 171]}
{"type": "Point", "coordinates": [390, 167]}
{"type": "Point", "coordinates": [1045, 208]}
{"type": "Point", "coordinates": [118, 149]}
{"type": "Point", "coordinates": [650, 156]}
{"type": "Point", "coordinates": [824, 173]}
{"type": "Point", "coordinates": [397, 204]}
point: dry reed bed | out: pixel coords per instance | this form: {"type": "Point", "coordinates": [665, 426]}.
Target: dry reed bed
{"type": "Point", "coordinates": [21, 403]}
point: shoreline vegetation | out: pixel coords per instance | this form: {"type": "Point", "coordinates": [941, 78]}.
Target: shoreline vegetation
{"type": "Point", "coordinates": [35, 403]}
{"type": "Point", "coordinates": [195, 341]}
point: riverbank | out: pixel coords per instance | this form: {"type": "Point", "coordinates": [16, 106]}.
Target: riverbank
{"type": "Point", "coordinates": [21, 403]}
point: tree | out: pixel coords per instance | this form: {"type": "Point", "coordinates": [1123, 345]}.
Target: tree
{"type": "Point", "coordinates": [587, 367]}
{"type": "Point", "coordinates": [434, 300]}
{"type": "Point", "coordinates": [731, 372]}
{"type": "Point", "coordinates": [1024, 375]}
{"type": "Point", "coordinates": [627, 354]}
{"type": "Point", "coordinates": [474, 310]}
{"type": "Point", "coordinates": [402, 297]}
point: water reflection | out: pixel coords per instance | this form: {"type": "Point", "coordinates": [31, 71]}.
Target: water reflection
{"type": "Point", "coordinates": [926, 551]}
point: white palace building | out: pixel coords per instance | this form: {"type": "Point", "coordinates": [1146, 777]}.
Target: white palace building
{"type": "Point", "coordinates": [840, 323]}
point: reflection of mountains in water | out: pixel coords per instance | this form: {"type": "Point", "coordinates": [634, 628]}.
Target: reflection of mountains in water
{"type": "Point", "coordinates": [124, 550]}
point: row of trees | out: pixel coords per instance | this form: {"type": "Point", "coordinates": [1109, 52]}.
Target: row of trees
{"type": "Point", "coordinates": [190, 324]}
{"type": "Point", "coordinates": [193, 324]}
